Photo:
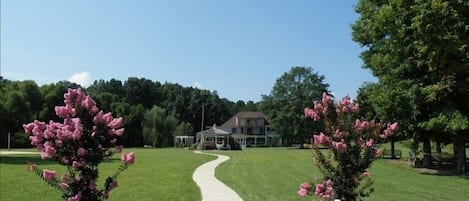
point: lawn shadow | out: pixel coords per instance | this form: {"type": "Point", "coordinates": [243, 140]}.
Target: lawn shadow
{"type": "Point", "coordinates": [24, 159]}
{"type": "Point", "coordinates": [447, 169]}
{"type": "Point", "coordinates": [443, 169]}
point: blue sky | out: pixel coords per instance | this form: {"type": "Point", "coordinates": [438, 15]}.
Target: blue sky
{"type": "Point", "coordinates": [238, 48]}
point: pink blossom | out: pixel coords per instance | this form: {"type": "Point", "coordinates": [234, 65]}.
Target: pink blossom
{"type": "Point", "coordinates": [317, 106]}
{"type": "Point", "coordinates": [345, 101]}
{"type": "Point", "coordinates": [370, 143]}
{"type": "Point", "coordinates": [107, 118]}
{"type": "Point", "coordinates": [355, 107]}
{"type": "Point", "coordinates": [303, 192]}
{"type": "Point", "coordinates": [119, 148]}
{"type": "Point", "coordinates": [320, 139]}
{"type": "Point", "coordinates": [88, 103]}
{"type": "Point", "coordinates": [394, 127]}
{"type": "Point", "coordinates": [361, 142]}
{"type": "Point", "coordinates": [77, 164]}
{"type": "Point", "coordinates": [59, 143]}
{"type": "Point", "coordinates": [98, 118]}
{"type": "Point", "coordinates": [92, 185]}
{"type": "Point", "coordinates": [378, 152]}
{"type": "Point", "coordinates": [325, 190]}
{"type": "Point", "coordinates": [339, 135]}
{"type": "Point", "coordinates": [48, 151]}
{"type": "Point", "coordinates": [128, 158]}
{"type": "Point", "coordinates": [81, 151]}
{"type": "Point", "coordinates": [28, 128]}
{"type": "Point", "coordinates": [77, 197]}
{"type": "Point", "coordinates": [319, 189]}
{"type": "Point", "coordinates": [119, 132]}
{"type": "Point", "coordinates": [73, 96]}
{"type": "Point", "coordinates": [339, 146]}
{"type": "Point", "coordinates": [48, 174]}
{"type": "Point", "coordinates": [365, 174]}
{"type": "Point", "coordinates": [309, 113]}
{"type": "Point", "coordinates": [345, 109]}
{"type": "Point", "coordinates": [325, 98]}
{"type": "Point", "coordinates": [65, 178]}
{"type": "Point", "coordinates": [62, 111]}
{"type": "Point", "coordinates": [305, 186]}
{"type": "Point", "coordinates": [64, 186]}
{"type": "Point", "coordinates": [115, 123]}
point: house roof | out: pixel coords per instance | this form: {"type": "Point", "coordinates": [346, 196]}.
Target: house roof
{"type": "Point", "coordinates": [244, 115]}
{"type": "Point", "coordinates": [214, 130]}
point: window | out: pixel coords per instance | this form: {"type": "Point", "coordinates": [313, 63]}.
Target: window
{"type": "Point", "coordinates": [234, 130]}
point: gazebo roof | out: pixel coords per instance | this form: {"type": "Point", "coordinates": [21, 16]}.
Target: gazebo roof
{"type": "Point", "coordinates": [214, 131]}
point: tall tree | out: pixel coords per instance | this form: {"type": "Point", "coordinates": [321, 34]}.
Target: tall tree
{"type": "Point", "coordinates": [387, 104]}
{"type": "Point", "coordinates": [423, 46]}
{"type": "Point", "coordinates": [291, 94]}
{"type": "Point", "coordinates": [158, 127]}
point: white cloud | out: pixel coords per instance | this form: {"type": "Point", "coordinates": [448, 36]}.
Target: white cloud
{"type": "Point", "coordinates": [82, 78]}
{"type": "Point", "coordinates": [197, 85]}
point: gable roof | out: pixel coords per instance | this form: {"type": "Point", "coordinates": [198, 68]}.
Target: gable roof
{"type": "Point", "coordinates": [214, 130]}
{"type": "Point", "coordinates": [244, 115]}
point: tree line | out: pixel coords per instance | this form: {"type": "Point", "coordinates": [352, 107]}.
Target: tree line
{"type": "Point", "coordinates": [153, 112]}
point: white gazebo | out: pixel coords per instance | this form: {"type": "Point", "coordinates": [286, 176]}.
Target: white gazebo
{"type": "Point", "coordinates": [183, 140]}
{"type": "Point", "coordinates": [215, 136]}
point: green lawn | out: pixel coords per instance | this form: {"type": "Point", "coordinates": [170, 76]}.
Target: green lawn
{"type": "Point", "coordinates": [275, 174]}
{"type": "Point", "coordinates": [158, 174]}
{"type": "Point", "coordinates": [255, 173]}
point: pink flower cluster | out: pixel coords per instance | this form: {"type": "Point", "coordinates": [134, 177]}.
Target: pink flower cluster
{"type": "Point", "coordinates": [351, 142]}
{"type": "Point", "coordinates": [304, 189]}
{"type": "Point", "coordinates": [324, 190]}
{"type": "Point", "coordinates": [336, 138]}
{"type": "Point", "coordinates": [81, 142]}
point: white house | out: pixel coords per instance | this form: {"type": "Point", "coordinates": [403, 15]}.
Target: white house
{"type": "Point", "coordinates": [251, 129]}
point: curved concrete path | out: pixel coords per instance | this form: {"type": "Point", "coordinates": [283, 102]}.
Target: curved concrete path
{"type": "Point", "coordinates": [213, 189]}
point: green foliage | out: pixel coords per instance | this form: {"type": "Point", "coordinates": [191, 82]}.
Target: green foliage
{"type": "Point", "coordinates": [291, 93]}
{"type": "Point", "coordinates": [419, 51]}
{"type": "Point", "coordinates": [183, 129]}
{"type": "Point", "coordinates": [25, 101]}
{"type": "Point", "coordinates": [158, 127]}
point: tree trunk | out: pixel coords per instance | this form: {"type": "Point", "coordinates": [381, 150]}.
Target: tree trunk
{"type": "Point", "coordinates": [427, 151]}
{"type": "Point", "coordinates": [438, 147]}
{"type": "Point", "coordinates": [461, 157]}
{"type": "Point", "coordinates": [393, 154]}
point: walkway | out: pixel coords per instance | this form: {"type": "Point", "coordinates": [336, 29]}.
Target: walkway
{"type": "Point", "coordinates": [17, 152]}
{"type": "Point", "coordinates": [213, 189]}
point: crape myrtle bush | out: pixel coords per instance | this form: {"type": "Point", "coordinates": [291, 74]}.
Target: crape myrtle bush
{"type": "Point", "coordinates": [352, 146]}
{"type": "Point", "coordinates": [80, 143]}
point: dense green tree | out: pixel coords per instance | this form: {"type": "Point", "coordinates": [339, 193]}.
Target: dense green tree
{"type": "Point", "coordinates": [421, 47]}
{"type": "Point", "coordinates": [53, 96]}
{"type": "Point", "coordinates": [183, 129]}
{"type": "Point", "coordinates": [141, 90]}
{"type": "Point", "coordinates": [390, 105]}
{"type": "Point", "coordinates": [21, 102]}
{"type": "Point", "coordinates": [158, 127]}
{"type": "Point", "coordinates": [291, 93]}
{"type": "Point", "coordinates": [133, 115]}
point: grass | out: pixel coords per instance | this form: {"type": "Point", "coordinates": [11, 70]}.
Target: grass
{"type": "Point", "coordinates": [255, 173]}
{"type": "Point", "coordinates": [275, 174]}
{"type": "Point", "coordinates": [158, 174]}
